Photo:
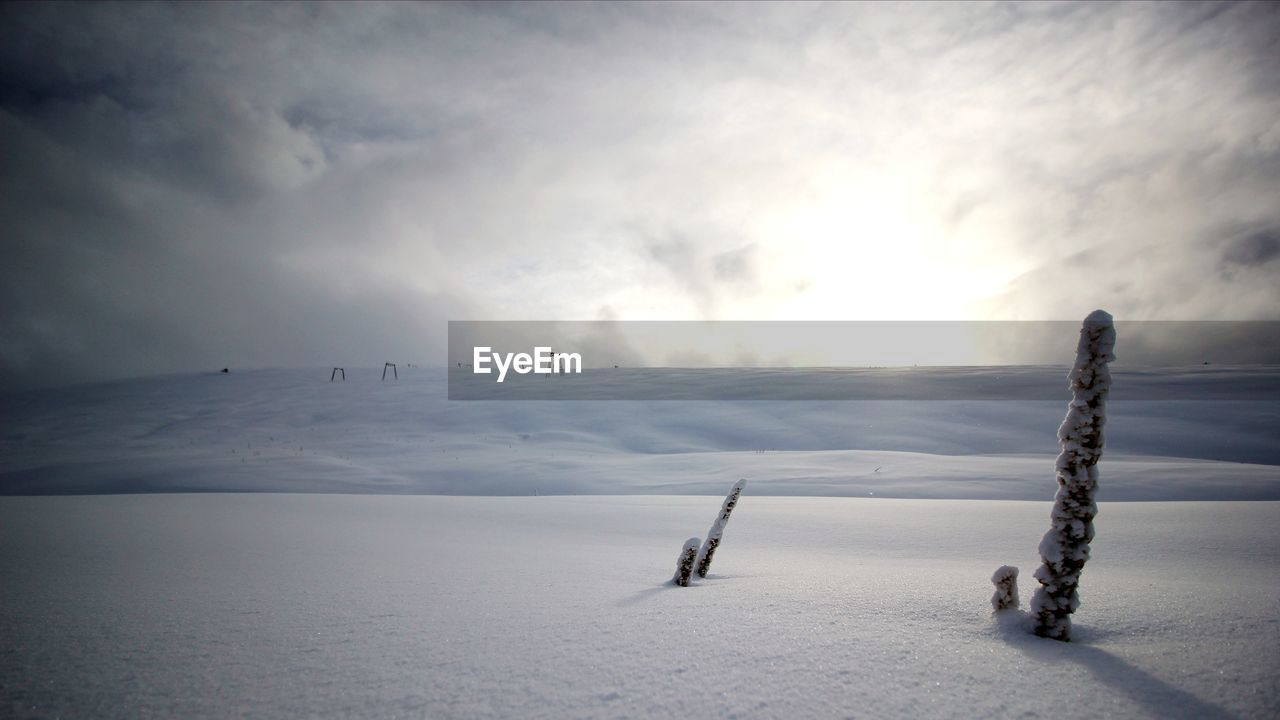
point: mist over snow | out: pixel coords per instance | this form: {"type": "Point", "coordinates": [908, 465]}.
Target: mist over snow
{"type": "Point", "coordinates": [295, 431]}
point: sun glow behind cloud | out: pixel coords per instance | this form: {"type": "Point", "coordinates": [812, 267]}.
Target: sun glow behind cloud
{"type": "Point", "coordinates": [869, 250]}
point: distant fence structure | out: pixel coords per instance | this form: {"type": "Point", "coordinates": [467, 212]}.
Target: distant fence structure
{"type": "Point", "coordinates": [393, 371]}
{"type": "Point", "coordinates": [335, 372]}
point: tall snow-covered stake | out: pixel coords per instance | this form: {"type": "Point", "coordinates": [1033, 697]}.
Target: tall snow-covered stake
{"type": "Point", "coordinates": [717, 528]}
{"type": "Point", "coordinates": [1065, 548]}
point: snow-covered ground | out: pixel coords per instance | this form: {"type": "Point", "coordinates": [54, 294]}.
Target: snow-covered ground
{"type": "Point", "coordinates": [235, 605]}
{"type": "Point", "coordinates": [293, 430]}
{"type": "Point", "coordinates": [866, 597]}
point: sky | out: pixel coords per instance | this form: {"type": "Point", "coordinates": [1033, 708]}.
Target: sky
{"type": "Point", "coordinates": [190, 186]}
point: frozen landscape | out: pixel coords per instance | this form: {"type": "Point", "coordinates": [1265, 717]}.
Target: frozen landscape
{"type": "Point", "coordinates": [296, 605]}
{"type": "Point", "coordinates": [853, 580]}
{"type": "Point", "coordinates": [833, 255]}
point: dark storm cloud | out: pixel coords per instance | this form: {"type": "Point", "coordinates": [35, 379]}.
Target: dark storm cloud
{"type": "Point", "coordinates": [195, 185]}
{"type": "Point", "coordinates": [168, 205]}
{"type": "Point", "coordinates": [1255, 248]}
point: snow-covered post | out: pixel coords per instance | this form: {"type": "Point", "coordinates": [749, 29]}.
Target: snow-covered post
{"type": "Point", "coordinates": [1006, 581]}
{"type": "Point", "coordinates": [717, 528]}
{"type": "Point", "coordinates": [1065, 548]}
{"type": "Point", "coordinates": [684, 563]}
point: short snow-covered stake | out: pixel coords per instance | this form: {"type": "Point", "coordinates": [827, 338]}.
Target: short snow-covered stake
{"type": "Point", "coordinates": [1065, 548]}
{"type": "Point", "coordinates": [717, 528]}
{"type": "Point", "coordinates": [684, 563]}
{"type": "Point", "coordinates": [1006, 582]}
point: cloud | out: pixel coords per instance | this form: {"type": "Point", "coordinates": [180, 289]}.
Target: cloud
{"type": "Point", "coordinates": [188, 186]}
{"type": "Point", "coordinates": [737, 267]}
{"type": "Point", "coordinates": [1255, 248]}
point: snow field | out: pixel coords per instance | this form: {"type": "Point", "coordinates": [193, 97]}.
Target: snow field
{"type": "Point", "coordinates": [231, 605]}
